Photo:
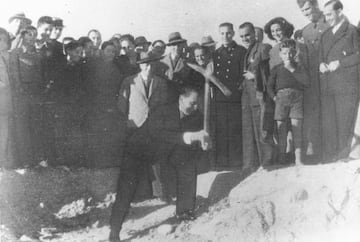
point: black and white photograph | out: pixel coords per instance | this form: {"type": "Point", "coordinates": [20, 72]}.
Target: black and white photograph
{"type": "Point", "coordinates": [180, 121]}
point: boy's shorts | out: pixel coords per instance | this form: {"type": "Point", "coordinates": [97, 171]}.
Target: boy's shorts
{"type": "Point", "coordinates": [289, 104]}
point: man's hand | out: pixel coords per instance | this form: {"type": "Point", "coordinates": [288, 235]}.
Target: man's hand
{"type": "Point", "coordinates": [202, 136]}
{"type": "Point", "coordinates": [206, 143]}
{"type": "Point", "coordinates": [333, 66]}
{"type": "Point", "coordinates": [249, 75]}
{"type": "Point", "coordinates": [323, 68]}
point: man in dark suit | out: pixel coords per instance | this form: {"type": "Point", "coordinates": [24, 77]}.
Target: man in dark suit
{"type": "Point", "coordinates": [257, 107]}
{"type": "Point", "coordinates": [311, 34]}
{"type": "Point", "coordinates": [170, 133]}
{"type": "Point", "coordinates": [339, 81]}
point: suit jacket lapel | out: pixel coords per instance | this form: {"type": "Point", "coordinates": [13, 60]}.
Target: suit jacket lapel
{"type": "Point", "coordinates": [179, 64]}
{"type": "Point", "coordinates": [168, 62]}
{"type": "Point", "coordinates": [338, 35]}
{"type": "Point", "coordinates": [140, 86]}
{"type": "Point", "coordinates": [153, 87]}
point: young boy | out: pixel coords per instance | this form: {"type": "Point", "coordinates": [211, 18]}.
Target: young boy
{"type": "Point", "coordinates": [286, 85]}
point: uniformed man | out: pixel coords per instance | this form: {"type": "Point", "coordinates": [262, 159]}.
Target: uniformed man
{"type": "Point", "coordinates": [226, 111]}
{"type": "Point", "coordinates": [311, 34]}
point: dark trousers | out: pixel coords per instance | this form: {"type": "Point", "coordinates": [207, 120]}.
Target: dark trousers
{"type": "Point", "coordinates": [258, 146]}
{"type": "Point", "coordinates": [226, 127]}
{"type": "Point", "coordinates": [182, 159]}
{"type": "Point", "coordinates": [338, 113]}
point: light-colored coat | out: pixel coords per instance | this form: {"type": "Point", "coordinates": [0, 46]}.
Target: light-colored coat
{"type": "Point", "coordinates": [133, 102]}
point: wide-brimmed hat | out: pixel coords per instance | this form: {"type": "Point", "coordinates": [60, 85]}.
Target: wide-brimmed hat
{"type": "Point", "coordinates": [58, 22]}
{"type": "Point", "coordinates": [175, 38]}
{"type": "Point", "coordinates": [141, 40]}
{"type": "Point", "coordinates": [20, 16]}
{"type": "Point", "coordinates": [147, 57]}
{"type": "Point", "coordinates": [207, 41]}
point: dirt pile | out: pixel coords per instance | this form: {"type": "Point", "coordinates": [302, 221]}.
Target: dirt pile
{"type": "Point", "coordinates": [298, 204]}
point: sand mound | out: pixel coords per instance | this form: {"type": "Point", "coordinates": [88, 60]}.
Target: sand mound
{"type": "Point", "coordinates": [308, 203]}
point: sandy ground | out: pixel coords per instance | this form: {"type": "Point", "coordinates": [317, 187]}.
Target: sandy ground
{"type": "Point", "coordinates": [308, 203]}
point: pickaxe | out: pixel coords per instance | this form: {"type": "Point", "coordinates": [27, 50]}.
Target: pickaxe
{"type": "Point", "coordinates": [209, 77]}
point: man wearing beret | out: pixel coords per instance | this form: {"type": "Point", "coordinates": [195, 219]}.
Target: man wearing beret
{"type": "Point", "coordinates": [173, 66]}
{"type": "Point", "coordinates": [226, 111]}
{"type": "Point", "coordinates": [311, 34]}
{"type": "Point", "coordinates": [174, 133]}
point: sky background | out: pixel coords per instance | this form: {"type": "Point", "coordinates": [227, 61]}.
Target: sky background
{"type": "Point", "coordinates": [155, 19]}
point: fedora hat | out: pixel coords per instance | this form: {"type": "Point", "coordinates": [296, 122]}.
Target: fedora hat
{"type": "Point", "coordinates": [58, 22]}
{"type": "Point", "coordinates": [207, 41]}
{"type": "Point", "coordinates": [175, 38]}
{"type": "Point", "coordinates": [147, 57]}
{"type": "Point", "coordinates": [20, 16]}
{"type": "Point", "coordinates": [141, 40]}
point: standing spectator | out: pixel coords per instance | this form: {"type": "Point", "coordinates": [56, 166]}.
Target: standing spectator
{"type": "Point", "coordinates": [339, 81]}
{"type": "Point", "coordinates": [278, 29]}
{"type": "Point", "coordinates": [139, 96]}
{"type": "Point", "coordinates": [208, 43]}
{"type": "Point", "coordinates": [55, 45]}
{"type": "Point", "coordinates": [88, 48]}
{"type": "Point", "coordinates": [141, 44]}
{"type": "Point", "coordinates": [257, 122]}
{"type": "Point", "coordinates": [17, 23]}
{"type": "Point", "coordinates": [286, 85]}
{"type": "Point", "coordinates": [26, 73]}
{"type": "Point", "coordinates": [298, 36]}
{"type": "Point", "coordinates": [106, 128]}
{"type": "Point", "coordinates": [95, 37]}
{"type": "Point", "coordinates": [158, 48]}
{"type": "Point", "coordinates": [128, 56]}
{"type": "Point", "coordinates": [66, 96]}
{"type": "Point", "coordinates": [173, 66]}
{"type": "Point", "coordinates": [226, 112]}
{"type": "Point", "coordinates": [311, 33]}
{"type": "Point", "coordinates": [44, 29]}
{"type": "Point", "coordinates": [6, 103]}
{"type": "Point", "coordinates": [259, 36]}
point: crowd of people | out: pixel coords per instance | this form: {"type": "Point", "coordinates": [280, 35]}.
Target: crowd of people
{"type": "Point", "coordinates": [130, 102]}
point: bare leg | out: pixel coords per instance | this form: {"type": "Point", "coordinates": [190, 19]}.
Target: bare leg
{"type": "Point", "coordinates": [282, 134]}
{"type": "Point", "coordinates": [297, 138]}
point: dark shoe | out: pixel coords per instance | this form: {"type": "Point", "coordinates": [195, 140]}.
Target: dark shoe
{"type": "Point", "coordinates": [114, 237]}
{"type": "Point", "coordinates": [186, 216]}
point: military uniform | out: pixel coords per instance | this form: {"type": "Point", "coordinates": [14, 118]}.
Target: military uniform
{"type": "Point", "coordinates": [226, 111]}
{"type": "Point", "coordinates": [312, 129]}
